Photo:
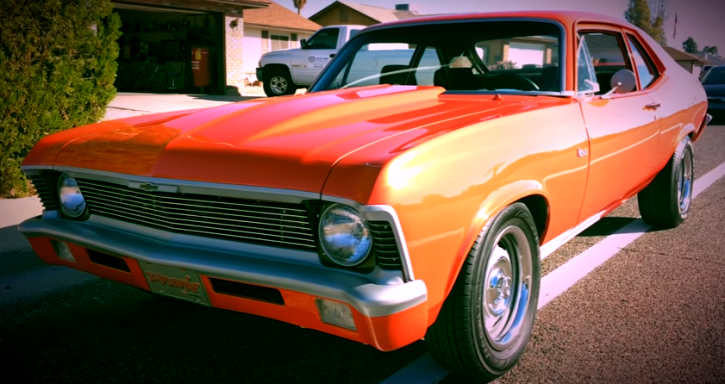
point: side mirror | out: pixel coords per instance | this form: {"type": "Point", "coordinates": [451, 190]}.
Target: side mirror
{"type": "Point", "coordinates": [623, 81]}
{"type": "Point", "coordinates": [303, 43]}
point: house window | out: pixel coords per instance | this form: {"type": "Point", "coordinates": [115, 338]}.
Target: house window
{"type": "Point", "coordinates": [279, 42]}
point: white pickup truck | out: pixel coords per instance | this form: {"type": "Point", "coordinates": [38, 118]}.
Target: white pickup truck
{"type": "Point", "coordinates": [282, 72]}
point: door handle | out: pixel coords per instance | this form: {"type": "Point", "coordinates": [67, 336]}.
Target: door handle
{"type": "Point", "coordinates": [332, 55]}
{"type": "Point", "coordinates": [652, 106]}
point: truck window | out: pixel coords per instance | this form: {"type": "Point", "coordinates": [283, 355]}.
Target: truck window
{"type": "Point", "coordinates": [353, 32]}
{"type": "Point", "coordinates": [324, 39]}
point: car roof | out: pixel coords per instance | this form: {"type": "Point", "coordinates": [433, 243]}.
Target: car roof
{"type": "Point", "coordinates": [565, 17]}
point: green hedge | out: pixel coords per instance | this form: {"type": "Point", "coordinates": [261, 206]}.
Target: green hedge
{"type": "Point", "coordinates": [57, 68]}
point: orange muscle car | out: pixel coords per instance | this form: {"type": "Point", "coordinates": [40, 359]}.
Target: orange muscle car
{"type": "Point", "coordinates": [410, 194]}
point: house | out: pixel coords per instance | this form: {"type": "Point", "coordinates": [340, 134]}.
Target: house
{"type": "Point", "coordinates": [221, 40]}
{"type": "Point", "coordinates": [691, 63]}
{"type": "Point", "coordinates": [709, 61]}
{"type": "Point", "coordinates": [271, 29]}
{"type": "Point", "coordinates": [348, 13]}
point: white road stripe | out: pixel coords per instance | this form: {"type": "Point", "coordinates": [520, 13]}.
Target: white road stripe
{"type": "Point", "coordinates": [425, 370]}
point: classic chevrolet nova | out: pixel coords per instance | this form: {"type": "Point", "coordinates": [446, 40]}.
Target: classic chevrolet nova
{"type": "Point", "coordinates": [405, 197]}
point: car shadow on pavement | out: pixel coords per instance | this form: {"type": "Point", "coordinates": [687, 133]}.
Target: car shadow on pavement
{"type": "Point", "coordinates": [229, 98]}
{"type": "Point", "coordinates": [106, 332]}
{"type": "Point", "coordinates": [609, 225]}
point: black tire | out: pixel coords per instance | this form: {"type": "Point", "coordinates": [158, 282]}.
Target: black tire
{"type": "Point", "coordinates": [665, 202]}
{"type": "Point", "coordinates": [159, 81]}
{"type": "Point", "coordinates": [460, 340]}
{"type": "Point", "coordinates": [278, 82]}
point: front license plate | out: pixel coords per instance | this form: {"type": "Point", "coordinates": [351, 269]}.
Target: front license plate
{"type": "Point", "coordinates": [176, 282]}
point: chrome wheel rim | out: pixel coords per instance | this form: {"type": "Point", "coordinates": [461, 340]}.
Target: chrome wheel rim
{"type": "Point", "coordinates": [278, 84]}
{"type": "Point", "coordinates": [507, 288]}
{"type": "Point", "coordinates": [684, 183]}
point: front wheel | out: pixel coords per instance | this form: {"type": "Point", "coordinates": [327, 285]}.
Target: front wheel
{"type": "Point", "coordinates": [665, 202]}
{"type": "Point", "coordinates": [487, 319]}
{"type": "Point", "coordinates": [278, 83]}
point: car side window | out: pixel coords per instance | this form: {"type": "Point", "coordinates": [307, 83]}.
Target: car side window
{"type": "Point", "coordinates": [608, 55]}
{"type": "Point", "coordinates": [376, 63]}
{"type": "Point", "coordinates": [645, 67]}
{"type": "Point", "coordinates": [586, 79]}
{"type": "Point", "coordinates": [429, 63]}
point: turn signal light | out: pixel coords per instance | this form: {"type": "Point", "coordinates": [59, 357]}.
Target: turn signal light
{"type": "Point", "coordinates": [63, 251]}
{"type": "Point", "coordinates": [335, 313]}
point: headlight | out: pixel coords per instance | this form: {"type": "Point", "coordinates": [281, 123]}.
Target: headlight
{"type": "Point", "coordinates": [344, 235]}
{"type": "Point", "coordinates": [72, 202]}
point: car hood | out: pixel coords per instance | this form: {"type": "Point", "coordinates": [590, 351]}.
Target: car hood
{"type": "Point", "coordinates": [714, 90]}
{"type": "Point", "coordinates": [287, 142]}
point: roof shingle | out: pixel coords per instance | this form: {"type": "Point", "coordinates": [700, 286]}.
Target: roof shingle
{"type": "Point", "coordinates": [278, 16]}
{"type": "Point", "coordinates": [380, 14]}
{"type": "Point", "coordinates": [681, 56]}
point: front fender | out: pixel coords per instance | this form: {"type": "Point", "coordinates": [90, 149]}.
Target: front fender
{"type": "Point", "coordinates": [488, 209]}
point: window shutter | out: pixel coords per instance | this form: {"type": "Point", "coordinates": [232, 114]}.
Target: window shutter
{"type": "Point", "coordinates": [265, 42]}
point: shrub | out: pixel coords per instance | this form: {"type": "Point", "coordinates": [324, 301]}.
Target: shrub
{"type": "Point", "coordinates": [58, 60]}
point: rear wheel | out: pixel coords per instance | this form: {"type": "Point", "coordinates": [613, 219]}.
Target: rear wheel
{"type": "Point", "coordinates": [665, 202]}
{"type": "Point", "coordinates": [486, 321]}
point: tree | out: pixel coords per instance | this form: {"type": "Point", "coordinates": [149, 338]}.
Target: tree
{"type": "Point", "coordinates": [690, 45]}
{"type": "Point", "coordinates": [299, 4]}
{"type": "Point", "coordinates": [710, 49]}
{"type": "Point", "coordinates": [58, 60]}
{"type": "Point", "coordinates": [649, 16]}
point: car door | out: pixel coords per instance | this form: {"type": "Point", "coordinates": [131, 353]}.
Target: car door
{"type": "Point", "coordinates": [669, 108]}
{"type": "Point", "coordinates": [315, 55]}
{"type": "Point", "coordinates": [623, 128]}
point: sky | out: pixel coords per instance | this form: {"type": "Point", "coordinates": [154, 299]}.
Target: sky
{"type": "Point", "coordinates": [704, 20]}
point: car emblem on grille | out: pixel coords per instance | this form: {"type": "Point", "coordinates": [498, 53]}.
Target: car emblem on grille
{"type": "Point", "coordinates": [149, 187]}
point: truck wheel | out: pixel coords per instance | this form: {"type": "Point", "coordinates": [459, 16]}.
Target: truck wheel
{"type": "Point", "coordinates": [278, 83]}
{"type": "Point", "coordinates": [486, 321]}
{"type": "Point", "coordinates": [665, 202]}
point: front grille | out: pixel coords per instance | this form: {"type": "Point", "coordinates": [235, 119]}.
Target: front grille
{"type": "Point", "coordinates": [268, 223]}
{"type": "Point", "coordinates": [283, 225]}
{"type": "Point", "coordinates": [387, 254]}
{"type": "Point", "coordinates": [44, 184]}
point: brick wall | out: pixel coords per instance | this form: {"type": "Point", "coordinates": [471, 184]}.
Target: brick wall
{"type": "Point", "coordinates": [234, 39]}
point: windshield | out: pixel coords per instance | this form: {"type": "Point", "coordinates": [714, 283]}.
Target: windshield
{"type": "Point", "coordinates": [517, 56]}
{"type": "Point", "coordinates": [715, 75]}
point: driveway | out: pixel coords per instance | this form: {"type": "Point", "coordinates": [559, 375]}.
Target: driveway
{"type": "Point", "coordinates": [134, 104]}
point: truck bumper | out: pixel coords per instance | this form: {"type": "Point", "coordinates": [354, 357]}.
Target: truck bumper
{"type": "Point", "coordinates": [385, 316]}
{"type": "Point", "coordinates": [260, 73]}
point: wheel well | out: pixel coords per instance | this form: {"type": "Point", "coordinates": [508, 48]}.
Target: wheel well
{"type": "Point", "coordinates": [539, 208]}
{"type": "Point", "coordinates": [277, 67]}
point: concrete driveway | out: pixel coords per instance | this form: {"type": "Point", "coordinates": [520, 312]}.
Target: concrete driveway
{"type": "Point", "coordinates": [134, 104]}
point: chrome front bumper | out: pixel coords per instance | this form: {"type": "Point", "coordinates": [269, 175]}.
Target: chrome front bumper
{"type": "Point", "coordinates": [373, 295]}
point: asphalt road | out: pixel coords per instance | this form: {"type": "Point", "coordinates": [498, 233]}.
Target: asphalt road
{"type": "Point", "coordinates": [654, 312]}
